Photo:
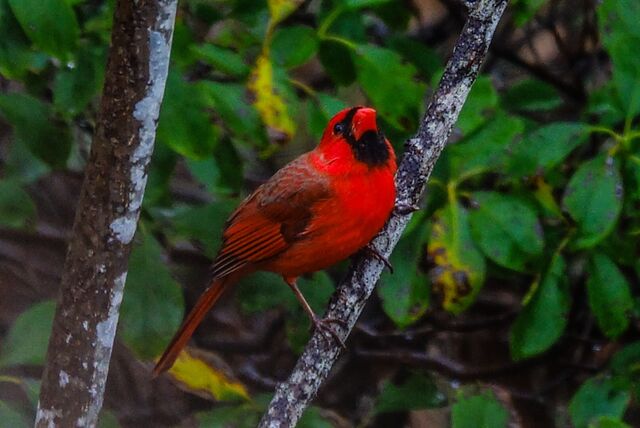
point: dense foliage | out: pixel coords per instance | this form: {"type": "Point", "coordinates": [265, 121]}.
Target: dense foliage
{"type": "Point", "coordinates": [529, 233]}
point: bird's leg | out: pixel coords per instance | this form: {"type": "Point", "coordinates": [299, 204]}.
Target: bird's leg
{"type": "Point", "coordinates": [405, 209]}
{"type": "Point", "coordinates": [375, 253]}
{"type": "Point", "coordinates": [321, 324]}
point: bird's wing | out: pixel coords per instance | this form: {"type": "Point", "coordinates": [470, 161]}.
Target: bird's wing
{"type": "Point", "coordinates": [272, 218]}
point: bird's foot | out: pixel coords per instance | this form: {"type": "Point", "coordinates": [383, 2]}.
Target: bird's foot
{"type": "Point", "coordinates": [375, 253]}
{"type": "Point", "coordinates": [406, 209]}
{"type": "Point", "coordinates": [323, 325]}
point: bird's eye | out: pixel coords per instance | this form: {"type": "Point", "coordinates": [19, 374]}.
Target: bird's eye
{"type": "Point", "coordinates": [339, 128]}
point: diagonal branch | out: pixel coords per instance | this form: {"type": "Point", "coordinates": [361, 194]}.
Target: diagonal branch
{"type": "Point", "coordinates": [422, 151]}
{"type": "Point", "coordinates": [106, 216]}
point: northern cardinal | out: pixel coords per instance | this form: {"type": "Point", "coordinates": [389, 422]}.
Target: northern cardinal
{"type": "Point", "coordinates": [317, 210]}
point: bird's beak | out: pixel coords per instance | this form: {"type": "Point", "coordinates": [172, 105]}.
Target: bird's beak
{"type": "Point", "coordinates": [363, 121]}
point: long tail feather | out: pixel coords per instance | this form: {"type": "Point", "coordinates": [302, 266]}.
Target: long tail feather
{"type": "Point", "coordinates": [180, 339]}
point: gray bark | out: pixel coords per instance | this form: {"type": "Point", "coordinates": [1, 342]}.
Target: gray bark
{"type": "Point", "coordinates": [421, 153]}
{"type": "Point", "coordinates": [95, 268]}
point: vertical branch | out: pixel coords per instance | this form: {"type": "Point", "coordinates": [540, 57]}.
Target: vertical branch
{"type": "Point", "coordinates": [422, 151]}
{"type": "Point", "coordinates": [95, 268]}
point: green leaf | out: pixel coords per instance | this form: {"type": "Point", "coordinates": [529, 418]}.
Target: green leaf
{"type": "Point", "coordinates": [12, 418]}
{"type": "Point", "coordinates": [17, 210]}
{"type": "Point", "coordinates": [479, 107]}
{"type": "Point", "coordinates": [626, 68]}
{"type": "Point", "coordinates": [245, 415]}
{"type": "Point", "coordinates": [228, 100]}
{"type": "Point", "coordinates": [397, 99]}
{"type": "Point", "coordinates": [604, 103]}
{"type": "Point", "coordinates": [395, 18]}
{"type": "Point", "coordinates": [632, 176]}
{"type": "Point", "coordinates": [544, 317]}
{"type": "Point", "coordinates": [349, 27]}
{"type": "Point", "coordinates": [204, 223]}
{"type": "Point", "coordinates": [34, 124]}
{"type": "Point", "coordinates": [525, 10]}
{"type": "Point", "coordinates": [358, 4]}
{"type": "Point", "coordinates": [321, 111]}
{"type": "Point", "coordinates": [22, 165]}
{"type": "Point", "coordinates": [27, 340]}
{"type": "Point", "coordinates": [16, 55]}
{"type": "Point", "coordinates": [618, 25]}
{"type": "Point", "coordinates": [224, 60]}
{"type": "Point", "coordinates": [593, 198]}
{"type": "Point", "coordinates": [183, 56]}
{"type": "Point", "coordinates": [543, 194]}
{"type": "Point", "coordinates": [313, 418]}
{"type": "Point", "coordinates": [478, 411]}
{"type": "Point", "coordinates": [459, 267]}
{"type": "Point", "coordinates": [609, 296]}
{"type": "Point", "coordinates": [531, 95]}
{"type": "Point", "coordinates": [486, 149]}
{"type": "Point", "coordinates": [206, 171]}
{"type": "Point", "coordinates": [153, 304]}
{"type": "Point", "coordinates": [75, 86]}
{"type": "Point", "coordinates": [545, 147]}
{"type": "Point", "coordinates": [405, 293]}
{"type": "Point", "coordinates": [231, 166]}
{"type": "Point", "coordinates": [417, 392]}
{"type": "Point", "coordinates": [50, 24]}
{"type": "Point", "coordinates": [608, 422]}
{"type": "Point", "coordinates": [317, 289]}
{"type": "Point", "coordinates": [426, 60]}
{"type": "Point", "coordinates": [263, 291]}
{"type": "Point", "coordinates": [293, 46]}
{"type": "Point", "coordinates": [184, 124]}
{"type": "Point", "coordinates": [337, 61]}
{"type": "Point", "coordinates": [597, 397]}
{"type": "Point", "coordinates": [619, 16]}
{"type": "Point", "coordinates": [506, 229]}
{"type": "Point", "coordinates": [626, 362]}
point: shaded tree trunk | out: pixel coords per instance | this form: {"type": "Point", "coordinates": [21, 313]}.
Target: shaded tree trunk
{"type": "Point", "coordinates": [95, 268]}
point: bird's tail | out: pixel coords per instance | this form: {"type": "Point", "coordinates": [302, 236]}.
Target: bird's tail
{"type": "Point", "coordinates": [180, 339]}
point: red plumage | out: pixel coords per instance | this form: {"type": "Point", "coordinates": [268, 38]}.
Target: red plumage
{"type": "Point", "coordinates": [317, 210]}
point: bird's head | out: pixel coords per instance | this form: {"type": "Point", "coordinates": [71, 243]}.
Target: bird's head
{"type": "Point", "coordinates": [356, 128]}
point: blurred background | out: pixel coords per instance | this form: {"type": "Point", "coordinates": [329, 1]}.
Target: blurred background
{"type": "Point", "coordinates": [514, 300]}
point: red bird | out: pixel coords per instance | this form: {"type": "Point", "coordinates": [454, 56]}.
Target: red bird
{"type": "Point", "coordinates": [316, 211]}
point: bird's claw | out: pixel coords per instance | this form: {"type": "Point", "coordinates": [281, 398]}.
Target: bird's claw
{"type": "Point", "coordinates": [375, 253]}
{"type": "Point", "coordinates": [406, 209]}
{"type": "Point", "coordinates": [323, 325]}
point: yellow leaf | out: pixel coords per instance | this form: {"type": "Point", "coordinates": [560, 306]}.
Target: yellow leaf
{"type": "Point", "coordinates": [458, 272]}
{"type": "Point", "coordinates": [280, 9]}
{"type": "Point", "coordinates": [544, 194]}
{"type": "Point", "coordinates": [11, 379]}
{"type": "Point", "coordinates": [270, 105]}
{"type": "Point", "coordinates": [204, 374]}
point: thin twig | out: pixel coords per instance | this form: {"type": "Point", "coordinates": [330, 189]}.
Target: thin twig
{"type": "Point", "coordinates": [422, 151]}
